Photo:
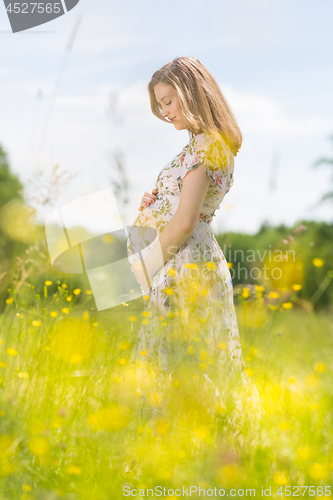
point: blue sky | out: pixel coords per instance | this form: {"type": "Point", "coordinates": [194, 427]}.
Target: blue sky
{"type": "Point", "coordinates": [271, 58]}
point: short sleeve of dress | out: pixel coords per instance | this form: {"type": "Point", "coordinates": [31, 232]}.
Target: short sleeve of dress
{"type": "Point", "coordinates": [216, 157]}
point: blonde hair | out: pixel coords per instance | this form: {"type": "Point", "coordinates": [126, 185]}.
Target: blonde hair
{"type": "Point", "coordinates": [200, 98]}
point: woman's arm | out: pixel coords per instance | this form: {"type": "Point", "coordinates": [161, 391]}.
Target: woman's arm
{"type": "Point", "coordinates": [181, 226]}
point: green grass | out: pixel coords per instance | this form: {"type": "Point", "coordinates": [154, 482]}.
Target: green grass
{"type": "Point", "coordinates": [78, 421]}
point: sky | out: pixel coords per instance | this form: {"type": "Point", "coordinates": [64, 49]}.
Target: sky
{"type": "Point", "coordinates": [271, 58]}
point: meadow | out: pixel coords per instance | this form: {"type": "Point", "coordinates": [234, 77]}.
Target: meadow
{"type": "Point", "coordinates": [80, 420]}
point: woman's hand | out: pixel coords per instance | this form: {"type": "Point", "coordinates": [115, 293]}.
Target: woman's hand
{"type": "Point", "coordinates": [148, 198]}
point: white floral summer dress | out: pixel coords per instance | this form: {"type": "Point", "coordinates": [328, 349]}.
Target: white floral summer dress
{"type": "Point", "coordinates": [194, 287]}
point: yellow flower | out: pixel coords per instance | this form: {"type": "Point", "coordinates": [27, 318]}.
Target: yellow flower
{"type": "Point", "coordinates": [36, 322]}
{"type": "Point", "coordinates": [23, 375]}
{"type": "Point", "coordinates": [20, 315]}
{"type": "Point", "coordinates": [146, 297]}
{"type": "Point", "coordinates": [124, 304]}
{"type": "Point", "coordinates": [296, 287]}
{"type": "Point", "coordinates": [287, 305]}
{"type": "Point", "coordinates": [164, 324]}
{"type": "Point", "coordinates": [168, 290]}
{"type": "Point", "coordinates": [145, 322]}
{"type": "Point", "coordinates": [26, 487]}
{"type": "Point", "coordinates": [77, 291]}
{"type": "Point", "coordinates": [132, 318]}
{"type": "Point", "coordinates": [303, 452]}
{"type": "Point", "coordinates": [65, 310]}
{"type": "Point", "coordinates": [172, 273]}
{"type": "Point", "coordinates": [9, 300]}
{"type": "Point", "coordinates": [285, 426]}
{"type": "Point", "coordinates": [292, 380]}
{"type": "Point", "coordinates": [318, 262]}
{"type": "Point", "coordinates": [68, 299]}
{"type": "Point", "coordinates": [144, 353]}
{"type": "Point", "coordinates": [249, 371]}
{"type": "Point", "coordinates": [48, 283]}
{"type": "Point", "coordinates": [319, 472]}
{"type": "Point", "coordinates": [273, 308]}
{"type": "Point", "coordinates": [223, 345]}
{"type": "Point", "coordinates": [260, 288]}
{"type": "Point", "coordinates": [245, 293]}
{"type": "Point", "coordinates": [280, 478]}
{"type": "Point", "coordinates": [122, 361]}
{"type": "Point", "coordinates": [54, 314]}
{"type": "Point", "coordinates": [85, 315]}
{"type": "Point", "coordinates": [146, 314]}
{"type": "Point", "coordinates": [39, 445]}
{"type": "Point", "coordinates": [95, 324]}
{"type": "Point", "coordinates": [320, 367]}
{"type": "Point", "coordinates": [64, 285]}
{"type": "Point", "coordinates": [190, 349]}
{"type": "Point", "coordinates": [230, 264]}
{"type": "Point", "coordinates": [74, 470]}
{"type": "Point", "coordinates": [12, 352]}
{"type": "Point", "coordinates": [273, 295]}
{"type": "Point", "coordinates": [88, 292]}
{"type": "Point", "coordinates": [124, 345]}
{"type": "Point", "coordinates": [210, 265]}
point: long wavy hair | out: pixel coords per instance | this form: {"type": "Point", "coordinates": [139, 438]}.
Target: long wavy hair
{"type": "Point", "coordinates": [200, 98]}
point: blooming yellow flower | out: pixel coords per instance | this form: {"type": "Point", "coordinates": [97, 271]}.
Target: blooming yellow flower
{"type": "Point", "coordinates": [260, 288]}
{"type": "Point", "coordinates": [122, 361]}
{"type": "Point", "coordinates": [132, 318]}
{"type": "Point", "coordinates": [20, 315]}
{"type": "Point", "coordinates": [145, 322]}
{"type": "Point", "coordinates": [124, 345]}
{"type": "Point", "coordinates": [287, 305]}
{"type": "Point", "coordinates": [36, 322]}
{"type": "Point", "coordinates": [273, 295]}
{"type": "Point", "coordinates": [12, 352]}
{"type": "Point", "coordinates": [64, 285]}
{"type": "Point", "coordinates": [223, 345]}
{"type": "Point", "coordinates": [26, 487]}
{"type": "Point", "coordinates": [146, 314]}
{"type": "Point", "coordinates": [318, 262]}
{"type": "Point", "coordinates": [230, 264]}
{"type": "Point", "coordinates": [54, 314]}
{"type": "Point", "coordinates": [146, 297]}
{"type": "Point", "coordinates": [74, 470]}
{"type": "Point", "coordinates": [303, 452]}
{"type": "Point", "coordinates": [168, 290]}
{"type": "Point", "coordinates": [285, 426]}
{"type": "Point", "coordinates": [249, 371]}
{"type": "Point", "coordinates": [39, 445]}
{"type": "Point", "coordinates": [312, 380]}
{"type": "Point", "coordinates": [210, 265]}
{"type": "Point", "coordinates": [48, 283]}
{"type": "Point", "coordinates": [88, 292]}
{"type": "Point", "coordinates": [296, 287]}
{"type": "Point", "coordinates": [319, 472]}
{"type": "Point", "coordinates": [164, 324]}
{"type": "Point", "coordinates": [245, 293]}
{"type": "Point", "coordinates": [65, 310]}
{"type": "Point", "coordinates": [190, 349]}
{"type": "Point", "coordinates": [273, 308]}
{"type": "Point", "coordinates": [280, 478]}
{"type": "Point", "coordinates": [23, 375]}
{"type": "Point", "coordinates": [68, 299]}
{"type": "Point", "coordinates": [9, 300]}
{"type": "Point", "coordinates": [95, 324]}
{"type": "Point", "coordinates": [77, 291]}
{"type": "Point", "coordinates": [172, 272]}
{"type": "Point", "coordinates": [320, 367]}
{"type": "Point", "coordinates": [144, 353]}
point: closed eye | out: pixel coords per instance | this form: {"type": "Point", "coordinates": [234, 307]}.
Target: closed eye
{"type": "Point", "coordinates": [167, 104]}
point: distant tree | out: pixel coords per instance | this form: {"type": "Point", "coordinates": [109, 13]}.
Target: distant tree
{"type": "Point", "coordinates": [326, 161]}
{"type": "Point", "coordinates": [10, 185]}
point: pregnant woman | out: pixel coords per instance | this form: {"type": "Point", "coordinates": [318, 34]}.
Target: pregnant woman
{"type": "Point", "coordinates": [185, 277]}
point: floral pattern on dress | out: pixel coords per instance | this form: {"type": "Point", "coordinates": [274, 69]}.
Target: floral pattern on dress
{"type": "Point", "coordinates": [203, 305]}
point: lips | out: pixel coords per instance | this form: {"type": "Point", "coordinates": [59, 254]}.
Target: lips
{"type": "Point", "coordinates": [172, 119]}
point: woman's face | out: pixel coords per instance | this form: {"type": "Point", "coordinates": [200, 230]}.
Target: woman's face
{"type": "Point", "coordinates": [166, 95]}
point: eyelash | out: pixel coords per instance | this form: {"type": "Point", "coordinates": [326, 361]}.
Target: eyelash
{"type": "Point", "coordinates": [167, 104]}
